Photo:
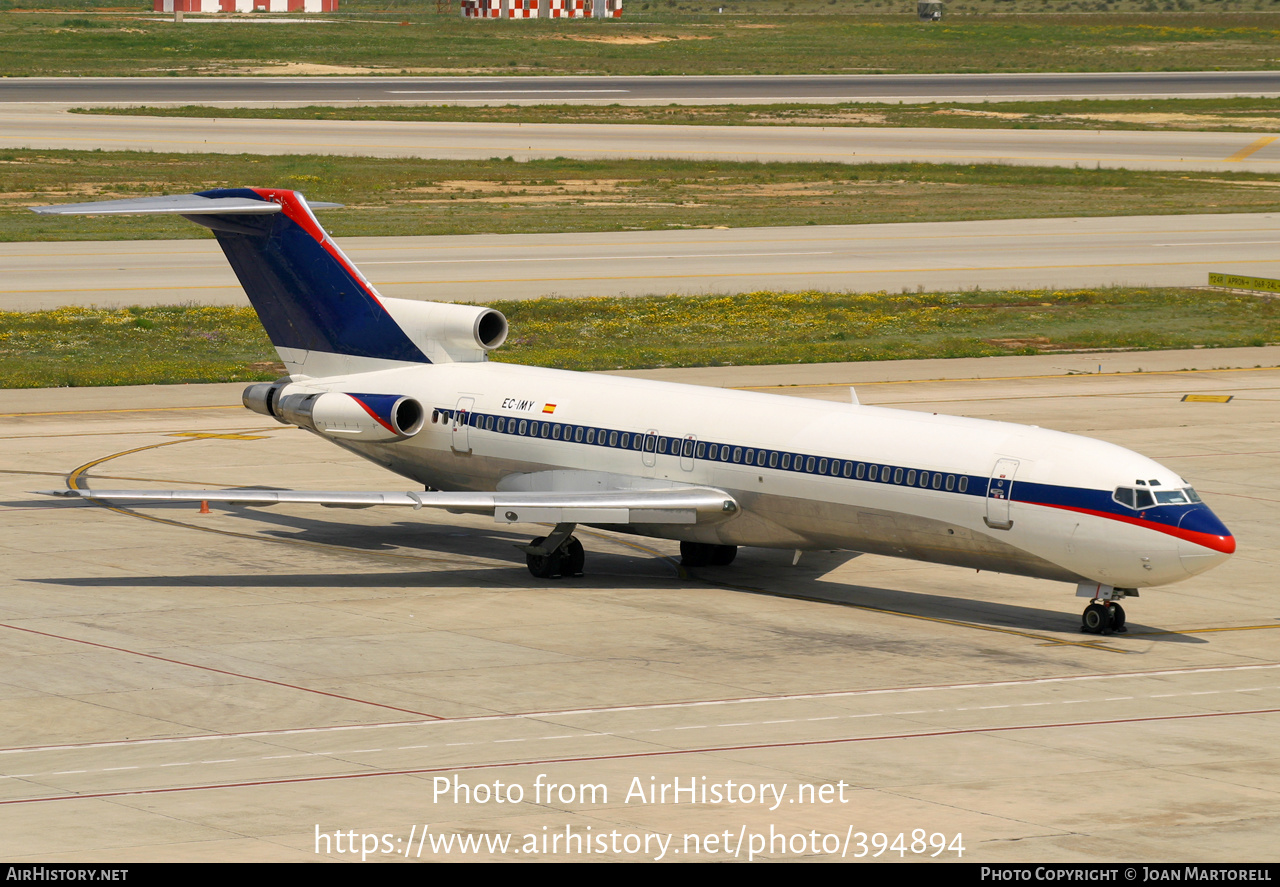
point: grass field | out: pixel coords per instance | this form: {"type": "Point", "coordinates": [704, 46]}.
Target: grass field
{"type": "Point", "coordinates": [386, 197]}
{"type": "Point", "coordinates": [1238, 114]}
{"type": "Point", "coordinates": [657, 38]}
{"type": "Point", "coordinates": [175, 344]}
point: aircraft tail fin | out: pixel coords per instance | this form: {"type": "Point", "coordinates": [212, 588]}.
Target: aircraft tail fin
{"type": "Point", "coordinates": [319, 311]}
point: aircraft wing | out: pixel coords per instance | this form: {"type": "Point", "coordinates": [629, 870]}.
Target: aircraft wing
{"type": "Point", "coordinates": [680, 505]}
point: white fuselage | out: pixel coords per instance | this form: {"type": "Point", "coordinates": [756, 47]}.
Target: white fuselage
{"type": "Point", "coordinates": [801, 470]}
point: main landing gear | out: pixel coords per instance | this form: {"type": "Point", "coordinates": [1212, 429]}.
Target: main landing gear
{"type": "Point", "coordinates": [560, 554]}
{"type": "Point", "coordinates": [1104, 615]}
{"type": "Point", "coordinates": [704, 554]}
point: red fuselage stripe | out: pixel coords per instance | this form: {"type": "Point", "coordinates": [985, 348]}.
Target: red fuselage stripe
{"type": "Point", "coordinates": [1224, 544]}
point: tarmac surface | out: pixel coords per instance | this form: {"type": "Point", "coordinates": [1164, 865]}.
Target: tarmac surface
{"type": "Point", "coordinates": [627, 90]}
{"type": "Point", "coordinates": [50, 127]}
{"type": "Point", "coordinates": [277, 684]}
{"type": "Point", "coordinates": [1019, 253]}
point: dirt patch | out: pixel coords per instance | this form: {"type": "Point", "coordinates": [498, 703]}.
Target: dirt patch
{"type": "Point", "coordinates": [299, 68]}
{"type": "Point", "coordinates": [1177, 120]}
{"type": "Point", "coordinates": [574, 186]}
{"type": "Point", "coordinates": [629, 39]}
{"type": "Point", "coordinates": [999, 115]}
{"type": "Point", "coordinates": [870, 119]}
{"type": "Point", "coordinates": [1189, 121]}
{"type": "Point", "coordinates": [1039, 343]}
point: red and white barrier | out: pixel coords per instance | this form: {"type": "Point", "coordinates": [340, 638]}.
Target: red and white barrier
{"type": "Point", "coordinates": [171, 6]}
{"type": "Point", "coordinates": [482, 8]}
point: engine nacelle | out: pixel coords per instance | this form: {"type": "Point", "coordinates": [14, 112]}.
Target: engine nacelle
{"type": "Point", "coordinates": [366, 417]}
{"type": "Point", "coordinates": [449, 333]}
{"type": "Point", "coordinates": [264, 398]}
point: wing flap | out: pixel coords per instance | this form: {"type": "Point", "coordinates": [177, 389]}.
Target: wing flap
{"type": "Point", "coordinates": [684, 505]}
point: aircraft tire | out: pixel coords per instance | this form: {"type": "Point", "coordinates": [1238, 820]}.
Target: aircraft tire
{"type": "Point", "coordinates": [704, 554]}
{"type": "Point", "coordinates": [543, 566]}
{"type": "Point", "coordinates": [1117, 619]}
{"type": "Point", "coordinates": [574, 557]}
{"type": "Point", "coordinates": [1096, 619]}
{"type": "Point", "coordinates": [695, 554]}
{"type": "Point", "coordinates": [723, 555]}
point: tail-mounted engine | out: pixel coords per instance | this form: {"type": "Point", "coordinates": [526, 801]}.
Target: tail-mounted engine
{"type": "Point", "coordinates": [448, 333]}
{"type": "Point", "coordinates": [366, 417]}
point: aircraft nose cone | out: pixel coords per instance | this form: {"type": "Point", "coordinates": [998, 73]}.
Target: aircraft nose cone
{"type": "Point", "coordinates": [1204, 541]}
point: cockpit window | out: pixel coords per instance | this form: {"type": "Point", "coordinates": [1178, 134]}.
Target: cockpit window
{"type": "Point", "coordinates": [1135, 498]}
{"type": "Point", "coordinates": [1191, 494]}
{"type": "Point", "coordinates": [1171, 497]}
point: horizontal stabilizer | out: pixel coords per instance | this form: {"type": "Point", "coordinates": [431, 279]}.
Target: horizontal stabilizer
{"type": "Point", "coordinates": [687, 505]}
{"type": "Point", "coordinates": [177, 204]}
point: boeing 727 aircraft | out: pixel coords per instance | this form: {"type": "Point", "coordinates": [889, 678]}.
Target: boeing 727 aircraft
{"type": "Point", "coordinates": [407, 385]}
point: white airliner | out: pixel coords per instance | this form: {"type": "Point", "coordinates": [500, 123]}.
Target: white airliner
{"type": "Point", "coordinates": [407, 384]}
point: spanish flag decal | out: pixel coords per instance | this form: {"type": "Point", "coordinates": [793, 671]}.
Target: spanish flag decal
{"type": "Point", "coordinates": [549, 408]}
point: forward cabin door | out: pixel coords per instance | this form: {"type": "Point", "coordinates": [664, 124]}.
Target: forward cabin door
{"type": "Point", "coordinates": [1000, 493]}
{"type": "Point", "coordinates": [462, 425]}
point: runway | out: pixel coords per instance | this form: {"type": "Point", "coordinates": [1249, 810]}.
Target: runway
{"type": "Point", "coordinates": [635, 90]}
{"type": "Point", "coordinates": [1074, 252]}
{"type": "Point", "coordinates": [242, 91]}
{"type": "Point", "coordinates": [243, 684]}
{"type": "Point", "coordinates": [44, 127]}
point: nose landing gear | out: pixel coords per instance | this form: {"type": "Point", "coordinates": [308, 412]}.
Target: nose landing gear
{"type": "Point", "coordinates": [1105, 618]}
{"type": "Point", "coordinates": [1104, 615]}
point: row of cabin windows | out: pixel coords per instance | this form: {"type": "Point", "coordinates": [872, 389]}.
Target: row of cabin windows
{"type": "Point", "coordinates": [689, 448]}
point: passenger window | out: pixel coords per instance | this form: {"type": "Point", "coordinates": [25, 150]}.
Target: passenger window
{"type": "Point", "coordinates": [701, 451]}
{"type": "Point", "coordinates": [524, 424]}
{"type": "Point", "coordinates": [714, 451]}
{"type": "Point", "coordinates": [937, 480]}
{"type": "Point", "coordinates": [737, 454]}
{"type": "Point", "coordinates": [650, 442]}
{"type": "Point", "coordinates": [808, 465]}
{"type": "Point", "coordinates": [964, 484]}
{"type": "Point", "coordinates": [662, 445]}
{"type": "Point", "coordinates": [555, 432]}
{"type": "Point", "coordinates": [546, 429]}
{"type": "Point", "coordinates": [911, 478]}
{"type": "Point", "coordinates": [591, 435]}
{"type": "Point", "coordinates": [862, 471]}
{"type": "Point", "coordinates": [786, 461]}
{"type": "Point", "coordinates": [872, 472]}
{"type": "Point", "coordinates": [897, 475]}
{"type": "Point", "coordinates": [751, 456]}
{"type": "Point", "coordinates": [773, 460]}
{"type": "Point", "coordinates": [822, 466]}
{"type": "Point", "coordinates": [613, 438]}
{"type": "Point", "coordinates": [951, 482]}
